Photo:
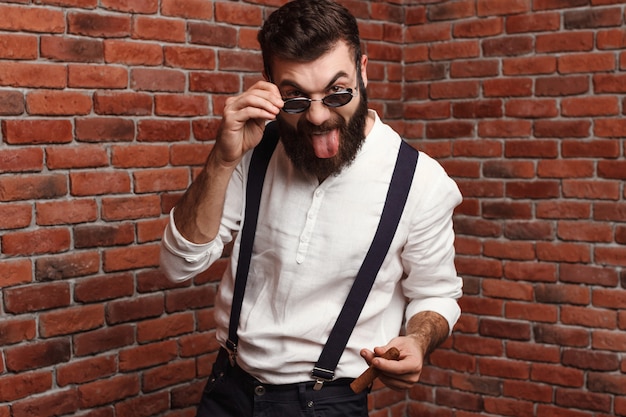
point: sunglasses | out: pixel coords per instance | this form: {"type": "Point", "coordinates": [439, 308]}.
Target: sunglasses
{"type": "Point", "coordinates": [338, 99]}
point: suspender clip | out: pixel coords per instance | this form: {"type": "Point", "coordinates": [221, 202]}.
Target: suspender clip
{"type": "Point", "coordinates": [232, 352]}
{"type": "Point", "coordinates": [321, 375]}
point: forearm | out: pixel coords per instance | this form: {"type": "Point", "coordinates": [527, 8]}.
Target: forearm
{"type": "Point", "coordinates": [429, 329]}
{"type": "Point", "coordinates": [198, 214]}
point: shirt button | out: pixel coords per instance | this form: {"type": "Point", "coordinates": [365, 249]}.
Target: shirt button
{"type": "Point", "coordinates": [259, 390]}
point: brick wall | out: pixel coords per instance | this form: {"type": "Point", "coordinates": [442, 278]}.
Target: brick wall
{"type": "Point", "coordinates": [108, 108]}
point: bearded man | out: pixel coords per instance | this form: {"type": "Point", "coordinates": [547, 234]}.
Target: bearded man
{"type": "Point", "coordinates": [321, 200]}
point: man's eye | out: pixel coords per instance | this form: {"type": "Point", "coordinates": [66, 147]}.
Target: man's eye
{"type": "Point", "coordinates": [294, 94]}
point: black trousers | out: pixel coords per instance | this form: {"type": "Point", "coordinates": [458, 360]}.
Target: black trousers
{"type": "Point", "coordinates": [231, 392]}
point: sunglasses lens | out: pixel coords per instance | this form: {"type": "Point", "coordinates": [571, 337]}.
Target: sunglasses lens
{"type": "Point", "coordinates": [296, 105]}
{"type": "Point", "coordinates": [338, 99]}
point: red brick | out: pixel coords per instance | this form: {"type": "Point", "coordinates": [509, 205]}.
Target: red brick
{"type": "Point", "coordinates": [125, 208]}
{"type": "Point", "coordinates": [97, 76]}
{"type": "Point", "coordinates": [591, 62]}
{"type": "Point", "coordinates": [586, 359]}
{"type": "Point", "coordinates": [587, 317]}
{"type": "Point", "coordinates": [36, 355]}
{"type": "Point", "coordinates": [109, 390]}
{"type": "Point", "coordinates": [21, 160]}
{"type": "Point", "coordinates": [151, 230]}
{"type": "Point", "coordinates": [158, 29]}
{"type": "Point", "coordinates": [504, 368]}
{"type": "Point", "coordinates": [102, 340]}
{"type": "Point", "coordinates": [121, 311]}
{"type": "Point", "coordinates": [567, 85]}
{"type": "Point", "coordinates": [605, 211]}
{"type": "Point", "coordinates": [565, 42]}
{"type": "Point", "coordinates": [559, 293]}
{"type": "Point", "coordinates": [134, 257]}
{"type": "Point", "coordinates": [160, 130]}
{"type": "Point", "coordinates": [585, 232]}
{"type": "Point", "coordinates": [197, 344]}
{"type": "Point", "coordinates": [14, 331]}
{"type": "Point", "coordinates": [33, 131]}
{"type": "Point", "coordinates": [212, 34]}
{"type": "Point", "coordinates": [186, 154]}
{"type": "Point", "coordinates": [11, 102]}
{"type": "Point", "coordinates": [584, 19]}
{"type": "Point", "coordinates": [585, 400]}
{"type": "Point", "coordinates": [14, 272]}
{"type": "Point", "coordinates": [598, 148]}
{"type": "Point", "coordinates": [181, 105]}
{"type": "Point", "coordinates": [563, 210]}
{"type": "Point", "coordinates": [148, 355]}
{"type": "Point", "coordinates": [454, 89]}
{"type": "Point", "coordinates": [481, 306]}
{"type": "Point", "coordinates": [523, 108]}
{"type": "Point", "coordinates": [542, 313]}
{"type": "Point", "coordinates": [557, 375]}
{"type": "Point", "coordinates": [57, 103]}
{"type": "Point", "coordinates": [529, 65]}
{"type": "Point", "coordinates": [133, 6]}
{"type": "Point", "coordinates": [105, 287]}
{"type": "Point", "coordinates": [478, 345]}
{"type": "Point", "coordinates": [508, 406]}
{"type": "Point", "coordinates": [167, 375]}
{"type": "Point", "coordinates": [32, 19]}
{"type": "Point", "coordinates": [104, 130]}
{"type": "Point", "coordinates": [98, 26]}
{"type": "Point", "coordinates": [76, 157]}
{"type": "Point", "coordinates": [144, 406]}
{"type": "Point", "coordinates": [608, 340]}
{"type": "Point", "coordinates": [504, 329]}
{"type": "Point", "coordinates": [530, 230]}
{"type": "Point", "coordinates": [588, 274]}
{"type": "Point", "coordinates": [190, 57]}
{"type": "Point", "coordinates": [161, 180]}
{"type": "Point", "coordinates": [130, 104]}
{"type": "Point", "coordinates": [507, 87]}
{"type": "Point", "coordinates": [165, 327]}
{"type": "Point", "coordinates": [38, 297]}
{"type": "Point", "coordinates": [71, 320]}
{"type": "Point", "coordinates": [481, 385]}
{"type": "Point", "coordinates": [509, 46]}
{"type": "Point", "coordinates": [71, 49]}
{"type": "Point", "coordinates": [533, 352]}
{"type": "Point", "coordinates": [495, 7]}
{"type": "Point", "coordinates": [190, 298]}
{"type": "Point", "coordinates": [191, 9]}
{"type": "Point", "coordinates": [533, 22]}
{"type": "Point", "coordinates": [229, 60]}
{"type": "Point", "coordinates": [132, 53]}
{"type": "Point", "coordinates": [66, 212]}
{"type": "Point", "coordinates": [86, 370]}
{"type": "Point", "coordinates": [140, 156]}
{"type": "Point", "coordinates": [36, 242]}
{"type": "Point", "coordinates": [17, 74]}
{"type": "Point", "coordinates": [16, 386]}
{"type": "Point", "coordinates": [74, 264]}
{"type": "Point", "coordinates": [98, 183]}
{"type": "Point", "coordinates": [18, 46]}
{"type": "Point", "coordinates": [167, 80]}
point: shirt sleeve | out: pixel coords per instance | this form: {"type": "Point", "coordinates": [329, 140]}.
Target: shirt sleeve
{"type": "Point", "coordinates": [432, 283]}
{"type": "Point", "coordinates": [181, 259]}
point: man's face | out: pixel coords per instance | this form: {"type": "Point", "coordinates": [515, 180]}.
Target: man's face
{"type": "Point", "coordinates": [322, 140]}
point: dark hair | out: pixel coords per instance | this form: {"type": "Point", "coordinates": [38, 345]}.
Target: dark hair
{"type": "Point", "coordinates": [304, 30]}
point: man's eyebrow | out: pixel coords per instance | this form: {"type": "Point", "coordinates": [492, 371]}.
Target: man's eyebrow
{"type": "Point", "coordinates": [291, 83]}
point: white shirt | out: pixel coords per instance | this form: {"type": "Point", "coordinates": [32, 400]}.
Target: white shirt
{"type": "Point", "coordinates": [310, 242]}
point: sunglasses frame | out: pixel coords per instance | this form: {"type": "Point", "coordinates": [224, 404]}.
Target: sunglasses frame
{"type": "Point", "coordinates": [352, 92]}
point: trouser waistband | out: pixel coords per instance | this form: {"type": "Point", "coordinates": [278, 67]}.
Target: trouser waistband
{"type": "Point", "coordinates": [284, 392]}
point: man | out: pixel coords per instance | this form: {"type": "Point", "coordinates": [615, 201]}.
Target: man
{"type": "Point", "coordinates": [321, 202]}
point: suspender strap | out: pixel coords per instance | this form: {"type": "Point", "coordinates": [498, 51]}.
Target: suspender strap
{"type": "Point", "coordinates": [258, 167]}
{"type": "Point", "coordinates": [397, 195]}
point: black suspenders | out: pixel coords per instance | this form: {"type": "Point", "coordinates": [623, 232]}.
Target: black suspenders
{"type": "Point", "coordinates": [324, 369]}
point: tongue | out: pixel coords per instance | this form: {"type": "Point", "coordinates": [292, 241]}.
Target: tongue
{"type": "Point", "coordinates": [326, 145]}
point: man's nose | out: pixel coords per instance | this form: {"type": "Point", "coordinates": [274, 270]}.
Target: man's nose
{"type": "Point", "coordinates": [317, 113]}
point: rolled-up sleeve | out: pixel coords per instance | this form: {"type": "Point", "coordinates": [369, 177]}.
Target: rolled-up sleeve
{"type": "Point", "coordinates": [432, 283]}
{"type": "Point", "coordinates": [181, 259]}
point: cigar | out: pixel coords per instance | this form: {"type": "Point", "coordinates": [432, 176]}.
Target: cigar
{"type": "Point", "coordinates": [367, 378]}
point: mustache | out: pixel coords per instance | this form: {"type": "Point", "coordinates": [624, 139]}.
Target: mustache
{"type": "Point", "coordinates": [307, 128]}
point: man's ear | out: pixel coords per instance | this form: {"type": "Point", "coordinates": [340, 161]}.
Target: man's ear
{"type": "Point", "coordinates": [364, 69]}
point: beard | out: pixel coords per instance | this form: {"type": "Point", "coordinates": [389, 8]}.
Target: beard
{"type": "Point", "coordinates": [297, 141]}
